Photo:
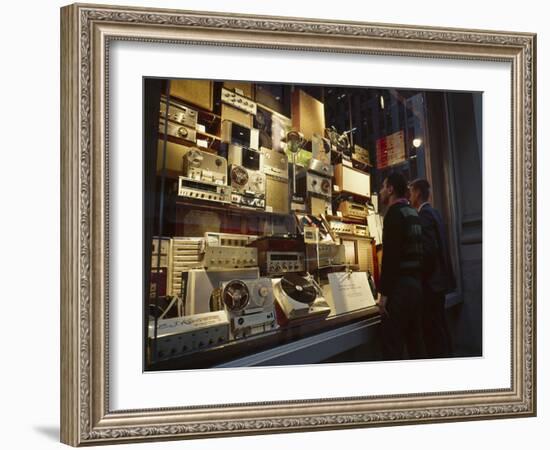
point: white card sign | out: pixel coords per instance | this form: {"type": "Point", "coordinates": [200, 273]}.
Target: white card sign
{"type": "Point", "coordinates": [349, 291]}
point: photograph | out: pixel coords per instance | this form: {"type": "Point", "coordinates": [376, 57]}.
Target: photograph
{"type": "Point", "coordinates": [277, 224]}
{"type": "Point", "coordinates": [305, 224]}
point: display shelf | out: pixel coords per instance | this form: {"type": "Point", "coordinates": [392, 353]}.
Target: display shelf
{"type": "Point", "coordinates": [224, 355]}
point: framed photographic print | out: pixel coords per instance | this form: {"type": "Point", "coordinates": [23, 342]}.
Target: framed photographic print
{"type": "Point", "coordinates": [279, 224]}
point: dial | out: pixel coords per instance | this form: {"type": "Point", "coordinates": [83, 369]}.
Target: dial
{"type": "Point", "coordinates": [239, 175]}
{"type": "Point", "coordinates": [195, 158]}
{"type": "Point", "coordinates": [235, 295]}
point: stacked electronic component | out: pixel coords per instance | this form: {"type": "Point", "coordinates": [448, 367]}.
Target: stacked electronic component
{"type": "Point", "coordinates": [226, 281]}
{"type": "Point", "coordinates": [181, 335]}
{"type": "Point", "coordinates": [186, 253]}
{"type": "Point", "coordinates": [315, 183]}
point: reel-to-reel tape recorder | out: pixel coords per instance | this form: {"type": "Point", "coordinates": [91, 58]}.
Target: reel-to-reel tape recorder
{"type": "Point", "coordinates": [248, 187]}
{"type": "Point", "coordinates": [249, 305]}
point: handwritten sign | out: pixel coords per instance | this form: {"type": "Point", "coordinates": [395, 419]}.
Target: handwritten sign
{"type": "Point", "coordinates": [390, 150]}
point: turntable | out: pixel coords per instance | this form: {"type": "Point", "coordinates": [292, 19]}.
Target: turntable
{"type": "Point", "coordinates": [299, 297]}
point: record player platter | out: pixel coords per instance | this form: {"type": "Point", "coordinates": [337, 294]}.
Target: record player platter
{"type": "Point", "coordinates": [298, 288]}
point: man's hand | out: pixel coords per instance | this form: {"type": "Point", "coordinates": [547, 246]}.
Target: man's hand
{"type": "Point", "coordinates": [381, 302]}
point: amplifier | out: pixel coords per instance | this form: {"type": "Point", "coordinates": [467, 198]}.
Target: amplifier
{"type": "Point", "coordinates": [179, 113]}
{"type": "Point", "coordinates": [228, 239]}
{"type": "Point", "coordinates": [351, 180]}
{"type": "Point", "coordinates": [239, 101]}
{"type": "Point", "coordinates": [237, 116]}
{"type": "Point", "coordinates": [182, 335]}
{"type": "Point", "coordinates": [212, 192]}
{"type": "Point", "coordinates": [278, 263]}
{"type": "Point", "coordinates": [200, 287]}
{"type": "Point", "coordinates": [204, 166]}
{"type": "Point", "coordinates": [353, 210]}
{"type": "Point", "coordinates": [341, 227]}
{"type": "Point", "coordinates": [277, 195]}
{"type": "Point", "coordinates": [244, 88]}
{"type": "Point", "coordinates": [225, 250]}
{"type": "Point", "coordinates": [274, 163]}
{"type": "Point", "coordinates": [218, 257]}
{"type": "Point", "coordinates": [232, 133]}
{"type": "Point", "coordinates": [179, 131]}
{"type": "Point", "coordinates": [244, 156]}
{"type": "Point", "coordinates": [360, 230]}
{"type": "Point", "coordinates": [272, 251]}
{"type": "Point", "coordinates": [308, 114]}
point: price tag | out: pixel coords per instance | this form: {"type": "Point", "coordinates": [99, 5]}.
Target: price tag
{"type": "Point", "coordinates": [200, 128]}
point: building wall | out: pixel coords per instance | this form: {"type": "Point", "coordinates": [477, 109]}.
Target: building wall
{"type": "Point", "coordinates": [455, 154]}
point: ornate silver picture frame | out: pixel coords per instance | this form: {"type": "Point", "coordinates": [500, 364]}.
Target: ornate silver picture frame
{"type": "Point", "coordinates": [87, 33]}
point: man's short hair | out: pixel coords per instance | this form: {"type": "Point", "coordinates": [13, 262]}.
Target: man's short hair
{"type": "Point", "coordinates": [398, 182]}
{"type": "Point", "coordinates": [423, 187]}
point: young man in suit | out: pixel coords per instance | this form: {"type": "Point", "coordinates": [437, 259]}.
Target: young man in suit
{"type": "Point", "coordinates": [400, 302]}
{"type": "Point", "coordinates": [437, 272]}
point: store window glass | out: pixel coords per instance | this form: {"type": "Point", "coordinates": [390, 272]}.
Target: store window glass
{"type": "Point", "coordinates": [262, 223]}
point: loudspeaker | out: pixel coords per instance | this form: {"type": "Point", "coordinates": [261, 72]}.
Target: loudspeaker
{"type": "Point", "coordinates": [277, 196]}
{"type": "Point", "coordinates": [196, 92]}
{"type": "Point", "coordinates": [308, 114]}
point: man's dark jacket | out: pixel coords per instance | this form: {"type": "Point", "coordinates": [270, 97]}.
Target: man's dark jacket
{"type": "Point", "coordinates": [437, 270]}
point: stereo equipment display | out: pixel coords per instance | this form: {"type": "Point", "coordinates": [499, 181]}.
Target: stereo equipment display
{"type": "Point", "coordinates": [242, 224]}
